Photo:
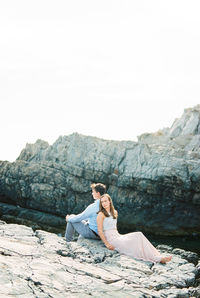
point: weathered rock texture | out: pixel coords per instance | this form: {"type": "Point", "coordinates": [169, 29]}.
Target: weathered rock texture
{"type": "Point", "coordinates": [40, 264]}
{"type": "Point", "coordinates": [154, 183]}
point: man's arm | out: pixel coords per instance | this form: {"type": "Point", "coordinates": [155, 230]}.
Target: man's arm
{"type": "Point", "coordinates": [91, 209]}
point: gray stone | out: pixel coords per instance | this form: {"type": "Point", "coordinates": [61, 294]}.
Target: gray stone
{"type": "Point", "coordinates": [41, 264]}
{"type": "Point", "coordinates": [190, 256]}
{"type": "Point", "coordinates": [154, 183]}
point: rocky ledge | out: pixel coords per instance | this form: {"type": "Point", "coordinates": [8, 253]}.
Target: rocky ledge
{"type": "Point", "coordinates": [41, 264]}
{"type": "Point", "coordinates": [154, 183]}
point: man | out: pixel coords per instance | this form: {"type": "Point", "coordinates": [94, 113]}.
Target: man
{"type": "Point", "coordinates": [85, 223]}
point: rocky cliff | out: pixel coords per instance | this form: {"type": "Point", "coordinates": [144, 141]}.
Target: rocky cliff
{"type": "Point", "coordinates": [40, 264]}
{"type": "Point", "coordinates": [154, 183]}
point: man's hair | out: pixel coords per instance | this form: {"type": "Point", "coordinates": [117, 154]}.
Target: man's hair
{"type": "Point", "coordinates": [99, 187]}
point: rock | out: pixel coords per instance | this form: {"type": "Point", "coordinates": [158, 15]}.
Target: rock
{"type": "Point", "coordinates": [198, 268]}
{"type": "Point", "coordinates": [41, 264]}
{"type": "Point", "coordinates": [184, 132]}
{"type": "Point", "coordinates": [188, 124]}
{"type": "Point", "coordinates": [154, 183]}
{"type": "Point", "coordinates": [33, 218]}
{"type": "Point", "coordinates": [190, 256]}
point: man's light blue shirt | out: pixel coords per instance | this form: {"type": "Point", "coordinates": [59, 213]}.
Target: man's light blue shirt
{"type": "Point", "coordinates": [89, 214]}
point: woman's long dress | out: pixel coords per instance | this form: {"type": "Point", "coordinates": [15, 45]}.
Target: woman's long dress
{"type": "Point", "coordinates": [135, 244]}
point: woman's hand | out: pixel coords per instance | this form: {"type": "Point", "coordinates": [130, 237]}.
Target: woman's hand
{"type": "Point", "coordinates": [100, 219]}
{"type": "Point", "coordinates": [109, 246]}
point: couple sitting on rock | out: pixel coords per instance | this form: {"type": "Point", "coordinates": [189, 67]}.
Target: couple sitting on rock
{"type": "Point", "coordinates": [99, 221]}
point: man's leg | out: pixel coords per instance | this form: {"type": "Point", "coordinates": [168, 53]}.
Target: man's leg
{"type": "Point", "coordinates": [69, 231]}
{"type": "Point", "coordinates": [82, 228]}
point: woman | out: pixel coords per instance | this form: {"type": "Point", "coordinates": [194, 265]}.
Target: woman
{"type": "Point", "coordinates": [133, 244]}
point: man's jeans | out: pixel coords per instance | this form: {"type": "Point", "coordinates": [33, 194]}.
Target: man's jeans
{"type": "Point", "coordinates": [82, 228]}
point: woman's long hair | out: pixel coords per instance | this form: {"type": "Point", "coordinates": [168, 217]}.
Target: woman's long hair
{"type": "Point", "coordinates": [112, 209]}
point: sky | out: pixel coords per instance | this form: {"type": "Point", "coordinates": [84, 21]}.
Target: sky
{"type": "Point", "coordinates": [110, 69]}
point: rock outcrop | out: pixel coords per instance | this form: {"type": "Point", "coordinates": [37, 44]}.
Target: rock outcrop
{"type": "Point", "coordinates": [40, 264]}
{"type": "Point", "coordinates": [154, 183]}
{"type": "Point", "coordinates": [184, 133]}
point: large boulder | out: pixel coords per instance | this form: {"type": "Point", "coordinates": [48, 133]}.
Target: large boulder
{"type": "Point", "coordinates": [154, 183]}
{"type": "Point", "coordinates": [40, 264]}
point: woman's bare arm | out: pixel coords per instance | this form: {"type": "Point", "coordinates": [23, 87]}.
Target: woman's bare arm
{"type": "Point", "coordinates": [100, 219]}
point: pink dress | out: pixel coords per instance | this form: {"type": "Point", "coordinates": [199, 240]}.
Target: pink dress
{"type": "Point", "coordinates": [135, 244]}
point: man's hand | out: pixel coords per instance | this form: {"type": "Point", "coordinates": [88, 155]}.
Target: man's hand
{"type": "Point", "coordinates": [66, 217]}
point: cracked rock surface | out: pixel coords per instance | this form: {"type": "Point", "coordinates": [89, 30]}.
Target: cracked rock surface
{"type": "Point", "coordinates": [41, 264]}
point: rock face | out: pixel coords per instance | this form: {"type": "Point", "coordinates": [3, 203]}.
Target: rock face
{"type": "Point", "coordinates": [154, 183]}
{"type": "Point", "coordinates": [40, 264]}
